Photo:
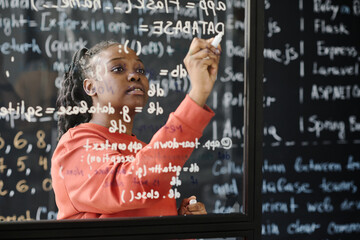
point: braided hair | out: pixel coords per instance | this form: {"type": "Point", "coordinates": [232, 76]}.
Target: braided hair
{"type": "Point", "coordinates": [72, 92]}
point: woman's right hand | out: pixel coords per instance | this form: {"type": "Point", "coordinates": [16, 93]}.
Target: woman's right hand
{"type": "Point", "coordinates": [202, 64]}
{"type": "Point", "coordinates": [186, 208]}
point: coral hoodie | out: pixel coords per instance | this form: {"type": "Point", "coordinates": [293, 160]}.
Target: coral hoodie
{"type": "Point", "coordinates": [99, 174]}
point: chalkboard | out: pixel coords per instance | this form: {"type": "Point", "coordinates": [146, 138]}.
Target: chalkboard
{"type": "Point", "coordinates": [311, 120]}
{"type": "Point", "coordinates": [37, 41]}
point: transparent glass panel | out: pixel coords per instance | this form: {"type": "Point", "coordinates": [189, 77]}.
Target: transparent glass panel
{"type": "Point", "coordinates": [37, 42]}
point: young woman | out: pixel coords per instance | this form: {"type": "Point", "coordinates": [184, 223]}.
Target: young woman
{"type": "Point", "coordinates": [99, 168]}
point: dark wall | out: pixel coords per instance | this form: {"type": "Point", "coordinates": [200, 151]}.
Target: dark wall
{"type": "Point", "coordinates": [312, 126]}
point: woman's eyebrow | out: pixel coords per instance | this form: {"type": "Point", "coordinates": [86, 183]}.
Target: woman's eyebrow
{"type": "Point", "coordinates": [121, 58]}
{"type": "Point", "coordinates": [118, 58]}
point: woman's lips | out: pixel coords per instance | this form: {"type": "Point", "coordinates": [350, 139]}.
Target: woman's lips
{"type": "Point", "coordinates": [133, 90]}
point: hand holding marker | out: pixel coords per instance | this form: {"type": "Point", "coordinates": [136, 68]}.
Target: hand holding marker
{"type": "Point", "coordinates": [195, 207]}
{"type": "Point", "coordinates": [215, 43]}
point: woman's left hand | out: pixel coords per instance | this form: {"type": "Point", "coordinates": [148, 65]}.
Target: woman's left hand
{"type": "Point", "coordinates": [186, 208]}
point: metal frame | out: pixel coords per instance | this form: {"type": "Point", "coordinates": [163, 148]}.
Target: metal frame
{"type": "Point", "coordinates": [142, 228]}
{"type": "Point", "coordinates": [246, 225]}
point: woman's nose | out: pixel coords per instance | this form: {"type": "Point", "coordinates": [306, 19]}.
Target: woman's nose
{"type": "Point", "coordinates": [133, 77]}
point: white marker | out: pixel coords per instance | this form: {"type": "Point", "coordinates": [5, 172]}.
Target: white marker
{"type": "Point", "coordinates": [217, 40]}
{"type": "Point", "coordinates": [192, 201]}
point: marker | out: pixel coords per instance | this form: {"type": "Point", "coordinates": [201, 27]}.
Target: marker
{"type": "Point", "coordinates": [192, 201]}
{"type": "Point", "coordinates": [217, 40]}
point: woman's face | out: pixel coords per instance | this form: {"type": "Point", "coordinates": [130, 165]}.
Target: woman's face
{"type": "Point", "coordinates": [120, 78]}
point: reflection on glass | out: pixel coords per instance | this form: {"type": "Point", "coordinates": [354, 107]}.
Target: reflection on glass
{"type": "Point", "coordinates": [37, 44]}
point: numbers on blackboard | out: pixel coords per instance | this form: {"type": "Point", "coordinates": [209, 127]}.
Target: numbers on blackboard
{"type": "Point", "coordinates": [47, 184]}
{"type": "Point", "coordinates": [43, 162]}
{"type": "Point", "coordinates": [2, 142]}
{"type": "Point", "coordinates": [40, 134]}
{"type": "Point", "coordinates": [3, 192]}
{"type": "Point", "coordinates": [2, 165]}
{"type": "Point", "coordinates": [19, 143]}
{"type": "Point", "coordinates": [21, 186]}
{"type": "Point", "coordinates": [21, 164]}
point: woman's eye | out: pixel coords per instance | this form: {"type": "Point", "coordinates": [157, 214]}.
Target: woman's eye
{"type": "Point", "coordinates": [117, 69]}
{"type": "Point", "coordinates": [141, 71]}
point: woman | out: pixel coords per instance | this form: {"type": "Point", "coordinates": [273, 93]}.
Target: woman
{"type": "Point", "coordinates": [99, 168]}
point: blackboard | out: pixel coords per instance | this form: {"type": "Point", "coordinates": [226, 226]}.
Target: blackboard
{"type": "Point", "coordinates": [37, 41]}
{"type": "Point", "coordinates": [311, 120]}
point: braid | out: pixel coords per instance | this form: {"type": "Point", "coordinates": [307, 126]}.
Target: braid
{"type": "Point", "coordinates": [72, 92]}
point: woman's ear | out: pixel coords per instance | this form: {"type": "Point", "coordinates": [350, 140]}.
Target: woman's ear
{"type": "Point", "coordinates": [89, 87]}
